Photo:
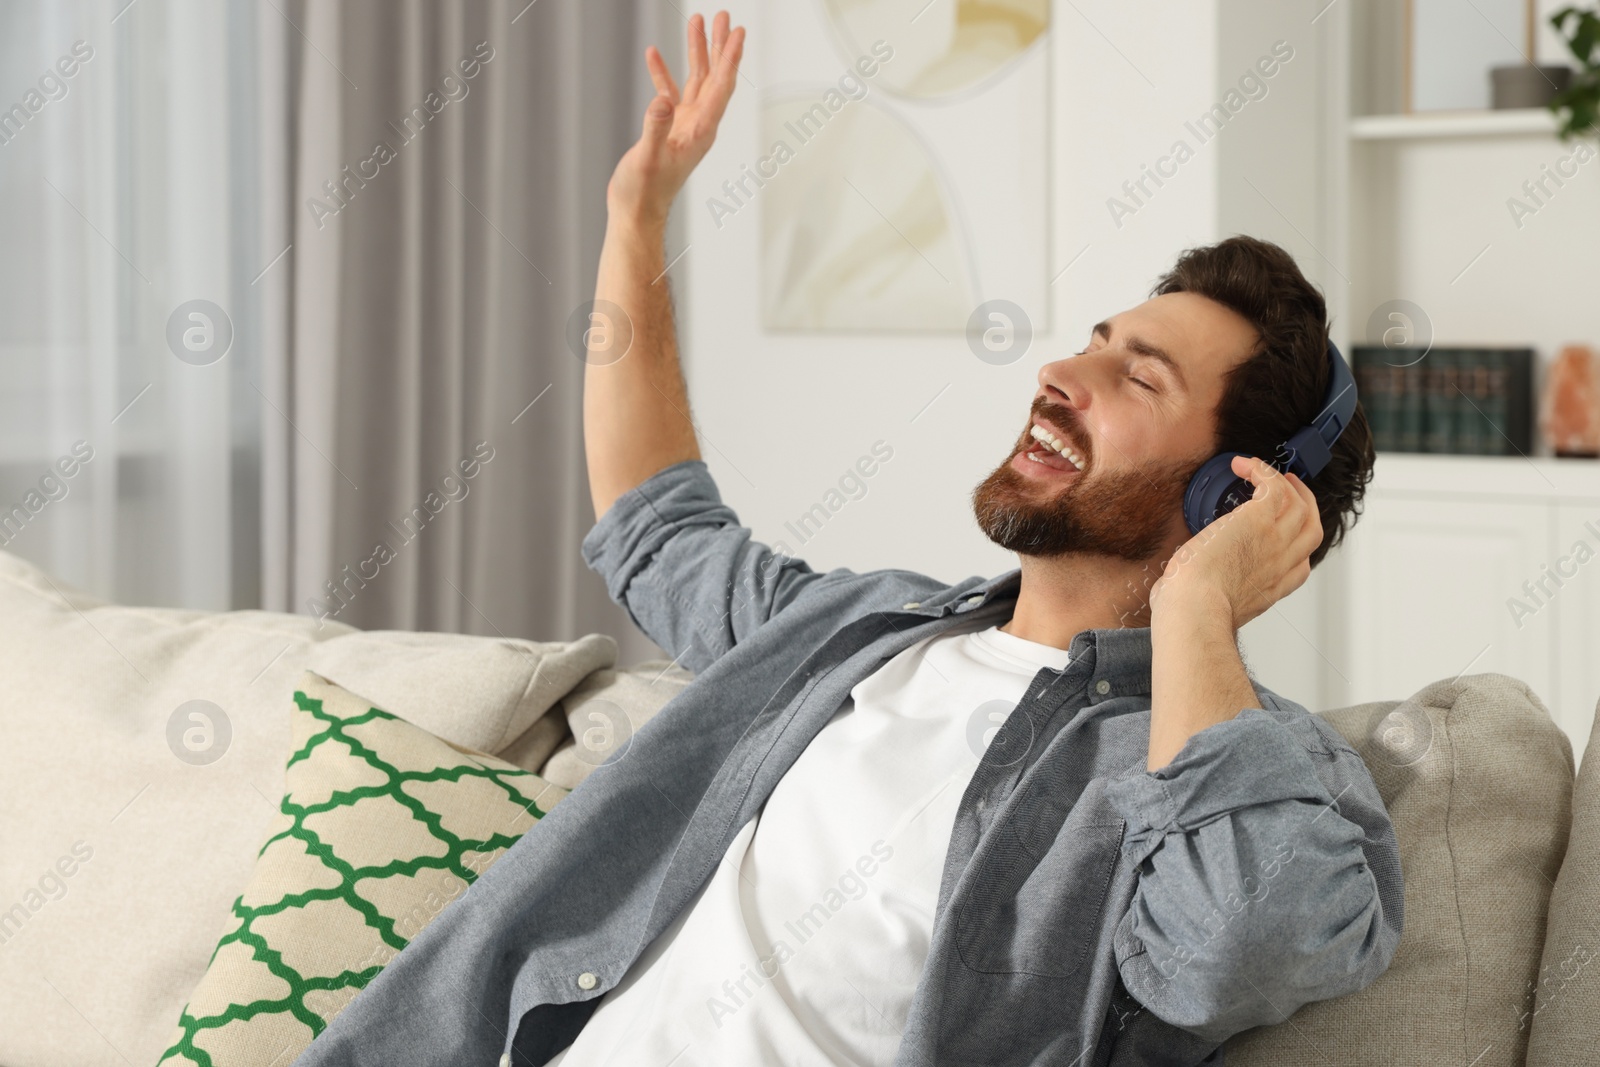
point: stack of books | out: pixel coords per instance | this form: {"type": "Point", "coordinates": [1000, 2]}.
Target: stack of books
{"type": "Point", "coordinates": [1468, 401]}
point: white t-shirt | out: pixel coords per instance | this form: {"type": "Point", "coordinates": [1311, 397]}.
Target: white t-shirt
{"type": "Point", "coordinates": [805, 945]}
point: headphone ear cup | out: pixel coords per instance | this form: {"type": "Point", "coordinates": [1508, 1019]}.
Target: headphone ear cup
{"type": "Point", "coordinates": [1214, 491]}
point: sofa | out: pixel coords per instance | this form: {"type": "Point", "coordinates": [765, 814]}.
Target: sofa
{"type": "Point", "coordinates": [145, 762]}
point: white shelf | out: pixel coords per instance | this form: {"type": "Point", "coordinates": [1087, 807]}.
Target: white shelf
{"type": "Point", "coordinates": [1544, 478]}
{"type": "Point", "coordinates": [1511, 122]}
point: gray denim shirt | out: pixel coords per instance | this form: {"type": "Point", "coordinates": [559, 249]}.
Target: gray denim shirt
{"type": "Point", "coordinates": [1090, 912]}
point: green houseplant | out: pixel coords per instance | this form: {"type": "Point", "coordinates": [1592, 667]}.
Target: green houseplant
{"type": "Point", "coordinates": [1578, 105]}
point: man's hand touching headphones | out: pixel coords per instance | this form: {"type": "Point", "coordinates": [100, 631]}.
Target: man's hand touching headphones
{"type": "Point", "coordinates": [1252, 557]}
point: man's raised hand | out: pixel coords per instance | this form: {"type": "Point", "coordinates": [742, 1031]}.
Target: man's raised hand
{"type": "Point", "coordinates": [678, 127]}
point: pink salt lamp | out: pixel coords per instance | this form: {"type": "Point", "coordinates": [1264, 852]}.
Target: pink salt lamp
{"type": "Point", "coordinates": [1571, 416]}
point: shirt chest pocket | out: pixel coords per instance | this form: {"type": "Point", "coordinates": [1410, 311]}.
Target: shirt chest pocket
{"type": "Point", "coordinates": [1041, 914]}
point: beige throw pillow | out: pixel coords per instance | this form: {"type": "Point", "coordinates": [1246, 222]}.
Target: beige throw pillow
{"type": "Point", "coordinates": [1478, 781]}
{"type": "Point", "coordinates": [382, 826]}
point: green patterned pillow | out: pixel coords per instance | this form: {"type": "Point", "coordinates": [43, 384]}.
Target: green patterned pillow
{"type": "Point", "coordinates": [382, 826]}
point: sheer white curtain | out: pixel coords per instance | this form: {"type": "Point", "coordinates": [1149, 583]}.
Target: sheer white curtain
{"type": "Point", "coordinates": [130, 147]}
{"type": "Point", "coordinates": [160, 196]}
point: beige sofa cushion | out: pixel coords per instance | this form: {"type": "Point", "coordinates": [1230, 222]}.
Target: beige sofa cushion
{"type": "Point", "coordinates": [123, 848]}
{"type": "Point", "coordinates": [1478, 781]}
{"type": "Point", "coordinates": [1564, 1014]}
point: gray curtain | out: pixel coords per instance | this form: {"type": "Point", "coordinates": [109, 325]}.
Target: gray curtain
{"type": "Point", "coordinates": [438, 245]}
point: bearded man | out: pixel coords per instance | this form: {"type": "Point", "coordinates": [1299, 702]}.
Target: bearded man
{"type": "Point", "coordinates": [1040, 818]}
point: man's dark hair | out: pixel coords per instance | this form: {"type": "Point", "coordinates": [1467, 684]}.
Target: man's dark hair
{"type": "Point", "coordinates": [1281, 386]}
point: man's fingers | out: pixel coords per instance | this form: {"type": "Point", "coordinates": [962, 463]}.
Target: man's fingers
{"type": "Point", "coordinates": [1290, 514]}
{"type": "Point", "coordinates": [1311, 517]}
{"type": "Point", "coordinates": [1307, 541]}
{"type": "Point", "coordinates": [1257, 472]}
{"type": "Point", "coordinates": [1286, 490]}
{"type": "Point", "coordinates": [1302, 490]}
{"type": "Point", "coordinates": [657, 124]}
{"type": "Point", "coordinates": [1299, 531]}
{"type": "Point", "coordinates": [728, 57]}
{"type": "Point", "coordinates": [1267, 483]}
{"type": "Point", "coordinates": [660, 76]}
{"type": "Point", "coordinates": [1261, 473]}
{"type": "Point", "coordinates": [698, 65]}
{"type": "Point", "coordinates": [725, 76]}
{"type": "Point", "coordinates": [1270, 481]}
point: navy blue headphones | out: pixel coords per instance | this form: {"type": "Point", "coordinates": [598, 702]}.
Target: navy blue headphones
{"type": "Point", "coordinates": [1215, 490]}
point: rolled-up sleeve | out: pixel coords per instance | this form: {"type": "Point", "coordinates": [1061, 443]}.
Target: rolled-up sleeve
{"type": "Point", "coordinates": [1269, 874]}
{"type": "Point", "coordinates": [688, 574]}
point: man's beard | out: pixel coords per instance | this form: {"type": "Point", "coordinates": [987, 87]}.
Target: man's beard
{"type": "Point", "coordinates": [1124, 514]}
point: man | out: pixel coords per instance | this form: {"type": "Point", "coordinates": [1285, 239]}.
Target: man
{"type": "Point", "coordinates": [1044, 818]}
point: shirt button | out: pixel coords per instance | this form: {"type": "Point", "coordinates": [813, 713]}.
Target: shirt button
{"type": "Point", "coordinates": [974, 600]}
{"type": "Point", "coordinates": [1102, 687]}
{"type": "Point", "coordinates": [586, 980]}
{"type": "Point", "coordinates": [913, 606]}
{"type": "Point", "coordinates": [983, 802]}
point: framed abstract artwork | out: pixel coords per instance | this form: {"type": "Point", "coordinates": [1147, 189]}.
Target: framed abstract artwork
{"type": "Point", "coordinates": [904, 175]}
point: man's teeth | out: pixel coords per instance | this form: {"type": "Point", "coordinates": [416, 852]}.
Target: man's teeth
{"type": "Point", "coordinates": [1056, 444]}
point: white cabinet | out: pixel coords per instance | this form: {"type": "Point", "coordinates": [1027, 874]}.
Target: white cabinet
{"type": "Point", "coordinates": [1462, 565]}
{"type": "Point", "coordinates": [1428, 588]}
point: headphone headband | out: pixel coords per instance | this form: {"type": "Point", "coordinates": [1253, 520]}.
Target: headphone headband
{"type": "Point", "coordinates": [1309, 450]}
{"type": "Point", "coordinates": [1215, 490]}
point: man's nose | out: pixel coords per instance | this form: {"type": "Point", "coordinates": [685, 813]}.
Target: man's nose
{"type": "Point", "coordinates": [1066, 382]}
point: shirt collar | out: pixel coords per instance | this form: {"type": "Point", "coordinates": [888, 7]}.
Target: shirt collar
{"type": "Point", "coordinates": [1121, 653]}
